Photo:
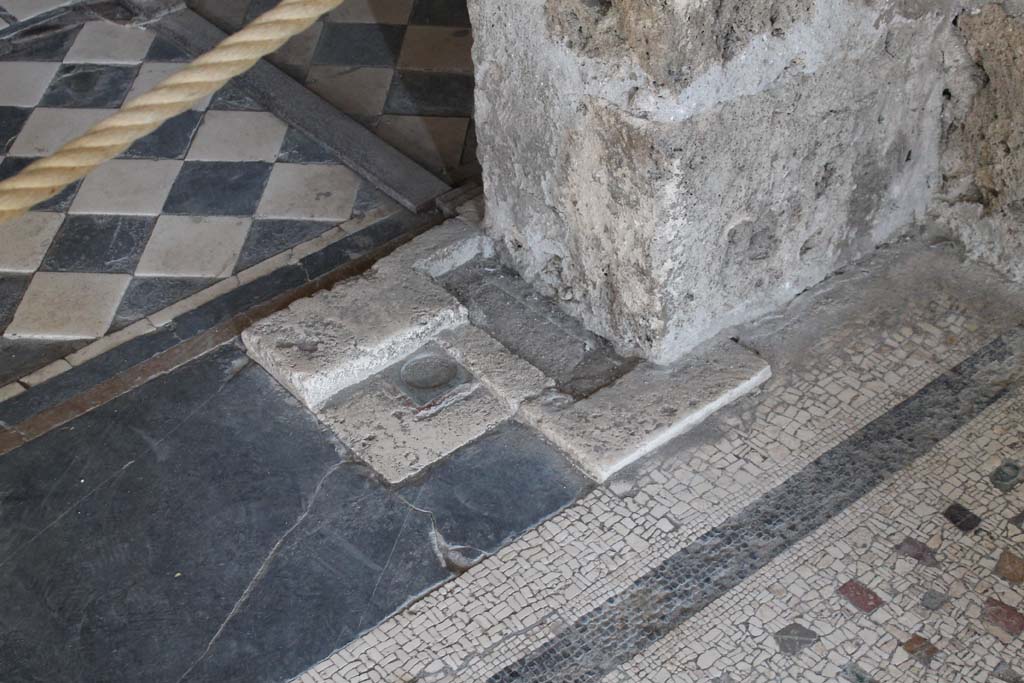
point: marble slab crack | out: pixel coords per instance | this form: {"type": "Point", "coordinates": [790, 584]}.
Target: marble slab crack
{"type": "Point", "coordinates": [56, 520]}
{"type": "Point", "coordinates": [442, 548]}
{"type": "Point", "coordinates": [263, 568]}
{"type": "Point", "coordinates": [387, 562]}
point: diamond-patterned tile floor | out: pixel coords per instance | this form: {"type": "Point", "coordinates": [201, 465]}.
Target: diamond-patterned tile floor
{"type": "Point", "coordinates": [401, 67]}
{"type": "Point", "coordinates": [214, 191]}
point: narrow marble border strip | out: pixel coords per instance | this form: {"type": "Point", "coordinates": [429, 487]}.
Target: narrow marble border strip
{"type": "Point", "coordinates": [678, 588]}
{"type": "Point", "coordinates": [27, 415]}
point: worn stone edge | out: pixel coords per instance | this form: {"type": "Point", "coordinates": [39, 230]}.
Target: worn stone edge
{"type": "Point", "coordinates": [533, 416]}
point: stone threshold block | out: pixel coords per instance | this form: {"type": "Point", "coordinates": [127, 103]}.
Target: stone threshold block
{"type": "Point", "coordinates": [334, 339]}
{"type": "Point", "coordinates": [431, 403]}
{"type": "Point", "coordinates": [647, 407]}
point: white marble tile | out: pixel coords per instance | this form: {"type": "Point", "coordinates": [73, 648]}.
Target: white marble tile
{"type": "Point", "coordinates": [359, 91]}
{"type": "Point", "coordinates": [25, 240]}
{"type": "Point", "coordinates": [22, 84]}
{"type": "Point", "coordinates": [26, 9]}
{"type": "Point", "coordinates": [47, 129]}
{"type": "Point", "coordinates": [127, 186]}
{"type": "Point", "coordinates": [152, 74]}
{"type": "Point", "coordinates": [238, 136]}
{"type": "Point", "coordinates": [193, 246]}
{"type": "Point", "coordinates": [319, 192]}
{"type": "Point", "coordinates": [103, 42]}
{"type": "Point", "coordinates": [68, 306]}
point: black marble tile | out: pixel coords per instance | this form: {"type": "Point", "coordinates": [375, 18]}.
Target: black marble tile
{"type": "Point", "coordinates": [299, 148]}
{"type": "Point", "coordinates": [440, 13]}
{"type": "Point", "coordinates": [218, 188]}
{"type": "Point", "coordinates": [268, 237]}
{"type": "Point", "coordinates": [415, 93]}
{"type": "Point", "coordinates": [359, 44]}
{"type": "Point", "coordinates": [258, 7]}
{"type": "Point", "coordinates": [98, 244]}
{"type": "Point", "coordinates": [368, 198]}
{"type": "Point", "coordinates": [490, 491]}
{"type": "Point", "coordinates": [89, 85]}
{"type": "Point", "coordinates": [469, 149]}
{"type": "Point", "coordinates": [42, 44]}
{"type": "Point", "coordinates": [147, 295]}
{"type": "Point", "coordinates": [359, 555]}
{"type": "Point", "coordinates": [12, 165]}
{"type": "Point", "coordinates": [12, 288]}
{"type": "Point", "coordinates": [131, 533]}
{"type": "Point", "coordinates": [1018, 520]}
{"type": "Point", "coordinates": [11, 121]}
{"type": "Point", "coordinates": [163, 50]}
{"type": "Point", "coordinates": [232, 97]}
{"type": "Point", "coordinates": [19, 357]}
{"type": "Point", "coordinates": [169, 141]}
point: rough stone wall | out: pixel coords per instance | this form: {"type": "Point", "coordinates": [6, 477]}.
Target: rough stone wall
{"type": "Point", "coordinates": [667, 168]}
{"type": "Point", "coordinates": [981, 203]}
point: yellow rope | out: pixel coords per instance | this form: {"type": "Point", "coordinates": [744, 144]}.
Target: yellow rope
{"type": "Point", "coordinates": [142, 115]}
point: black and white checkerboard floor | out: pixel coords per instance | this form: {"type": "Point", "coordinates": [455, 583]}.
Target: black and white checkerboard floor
{"type": "Point", "coordinates": [401, 67]}
{"type": "Point", "coordinates": [214, 191]}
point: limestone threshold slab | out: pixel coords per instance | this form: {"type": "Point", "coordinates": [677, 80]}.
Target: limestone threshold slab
{"type": "Point", "coordinates": [647, 407]}
{"type": "Point", "coordinates": [346, 352]}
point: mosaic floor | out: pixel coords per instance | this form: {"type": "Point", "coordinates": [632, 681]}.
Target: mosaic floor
{"type": "Point", "coordinates": [402, 67]}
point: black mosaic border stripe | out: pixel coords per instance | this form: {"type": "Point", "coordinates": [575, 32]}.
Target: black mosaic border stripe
{"type": "Point", "coordinates": [359, 245]}
{"type": "Point", "coordinates": [684, 584]}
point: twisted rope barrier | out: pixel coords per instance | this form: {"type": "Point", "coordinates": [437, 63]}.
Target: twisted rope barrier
{"type": "Point", "coordinates": [142, 115]}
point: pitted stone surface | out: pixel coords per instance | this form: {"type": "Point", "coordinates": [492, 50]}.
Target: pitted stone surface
{"type": "Point", "coordinates": [647, 407]}
{"type": "Point", "coordinates": [334, 339]}
{"type": "Point", "coordinates": [398, 435]}
{"type": "Point", "coordinates": [440, 250]}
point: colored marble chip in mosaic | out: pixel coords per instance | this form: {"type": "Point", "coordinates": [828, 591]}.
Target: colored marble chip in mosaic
{"type": "Point", "coordinates": [920, 649]}
{"type": "Point", "coordinates": [962, 518]}
{"type": "Point", "coordinates": [794, 638]}
{"type": "Point", "coordinates": [916, 550]}
{"type": "Point", "coordinates": [860, 596]}
{"type": "Point", "coordinates": [1004, 616]}
{"type": "Point", "coordinates": [1010, 567]}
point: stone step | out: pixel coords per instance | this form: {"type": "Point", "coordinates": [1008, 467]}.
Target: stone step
{"type": "Point", "coordinates": [321, 345]}
{"type": "Point", "coordinates": [647, 407]}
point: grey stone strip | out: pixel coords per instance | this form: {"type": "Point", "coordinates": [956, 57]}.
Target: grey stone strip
{"type": "Point", "coordinates": [681, 586]}
{"type": "Point", "coordinates": [58, 20]}
{"type": "Point", "coordinates": [389, 170]}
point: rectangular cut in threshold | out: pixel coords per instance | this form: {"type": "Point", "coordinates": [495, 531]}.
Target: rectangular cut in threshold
{"type": "Point", "coordinates": [535, 328]}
